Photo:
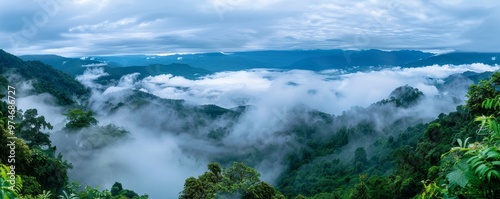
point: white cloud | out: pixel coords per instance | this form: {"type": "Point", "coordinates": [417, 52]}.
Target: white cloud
{"type": "Point", "coordinates": [153, 27]}
{"type": "Point", "coordinates": [328, 92]}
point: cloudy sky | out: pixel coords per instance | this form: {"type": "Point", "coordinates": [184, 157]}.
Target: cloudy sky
{"type": "Point", "coordinates": [105, 27]}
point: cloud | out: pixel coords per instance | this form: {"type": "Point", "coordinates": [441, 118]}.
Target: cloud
{"type": "Point", "coordinates": [168, 146]}
{"type": "Point", "coordinates": [82, 28]}
{"type": "Point", "coordinates": [106, 25]}
{"type": "Point", "coordinates": [316, 90]}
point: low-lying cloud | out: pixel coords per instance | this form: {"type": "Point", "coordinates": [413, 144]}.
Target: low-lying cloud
{"type": "Point", "coordinates": [165, 148]}
{"type": "Point", "coordinates": [328, 92]}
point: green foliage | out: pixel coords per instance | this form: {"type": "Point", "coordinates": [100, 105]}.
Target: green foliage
{"type": "Point", "coordinates": [7, 190]}
{"type": "Point", "coordinates": [360, 190]}
{"type": "Point", "coordinates": [433, 132]}
{"type": "Point", "coordinates": [43, 195]}
{"type": "Point", "coordinates": [379, 187]}
{"type": "Point", "coordinates": [116, 188]}
{"type": "Point", "coordinates": [45, 79]}
{"type": "Point", "coordinates": [238, 180]}
{"type": "Point", "coordinates": [50, 172]}
{"type": "Point", "coordinates": [431, 191]}
{"type": "Point", "coordinates": [325, 195]}
{"type": "Point", "coordinates": [194, 188]}
{"type": "Point", "coordinates": [31, 186]}
{"type": "Point", "coordinates": [30, 129]}
{"type": "Point", "coordinates": [4, 83]}
{"type": "Point", "coordinates": [461, 175]}
{"type": "Point", "coordinates": [300, 196]}
{"type": "Point", "coordinates": [79, 119]}
{"type": "Point", "coordinates": [260, 190]}
{"type": "Point", "coordinates": [433, 173]}
{"type": "Point", "coordinates": [404, 96]}
{"type": "Point", "coordinates": [65, 195]}
{"type": "Point", "coordinates": [100, 136]}
{"type": "Point", "coordinates": [360, 159]}
{"type": "Point", "coordinates": [478, 93]}
{"type": "Point", "coordinates": [39, 172]}
{"type": "Point", "coordinates": [477, 165]}
{"type": "Point", "coordinates": [93, 193]}
{"type": "Point", "coordinates": [117, 192]}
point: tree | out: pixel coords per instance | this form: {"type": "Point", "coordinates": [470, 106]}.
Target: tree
{"type": "Point", "coordinates": [360, 159]}
{"type": "Point", "coordinates": [360, 155]}
{"type": "Point", "coordinates": [79, 119]}
{"type": "Point", "coordinates": [360, 190]}
{"type": "Point", "coordinates": [475, 167]}
{"type": "Point", "coordinates": [50, 172]}
{"type": "Point", "coordinates": [238, 181]}
{"type": "Point", "coordinates": [323, 195]}
{"type": "Point", "coordinates": [193, 188]}
{"type": "Point", "coordinates": [239, 177]}
{"type": "Point", "coordinates": [433, 132]}
{"type": "Point", "coordinates": [260, 190]}
{"type": "Point", "coordinates": [101, 136]}
{"type": "Point", "coordinates": [478, 93]}
{"type": "Point", "coordinates": [116, 188]}
{"type": "Point", "coordinates": [30, 129]}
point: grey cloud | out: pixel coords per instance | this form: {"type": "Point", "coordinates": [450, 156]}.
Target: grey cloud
{"type": "Point", "coordinates": [484, 36]}
{"type": "Point", "coordinates": [84, 27]}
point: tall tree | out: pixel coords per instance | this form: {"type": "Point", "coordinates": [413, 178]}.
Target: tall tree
{"type": "Point", "coordinates": [237, 181]}
{"type": "Point", "coordinates": [79, 119]}
{"type": "Point", "coordinates": [30, 129]}
{"type": "Point", "coordinates": [360, 190]}
{"type": "Point", "coordinates": [478, 93]}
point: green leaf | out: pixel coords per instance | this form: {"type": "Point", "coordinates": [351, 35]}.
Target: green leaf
{"type": "Point", "coordinates": [474, 161]}
{"type": "Point", "coordinates": [458, 177]}
{"type": "Point", "coordinates": [492, 153]}
{"type": "Point", "coordinates": [497, 104]}
{"type": "Point", "coordinates": [481, 170]}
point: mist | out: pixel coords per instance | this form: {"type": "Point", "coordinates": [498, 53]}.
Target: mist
{"type": "Point", "coordinates": [169, 143]}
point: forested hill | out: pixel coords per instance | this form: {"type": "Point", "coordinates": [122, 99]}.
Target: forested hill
{"type": "Point", "coordinates": [357, 156]}
{"type": "Point", "coordinates": [75, 67]}
{"type": "Point", "coordinates": [45, 79]}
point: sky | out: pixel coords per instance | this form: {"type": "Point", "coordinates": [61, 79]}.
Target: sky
{"type": "Point", "coordinates": [116, 27]}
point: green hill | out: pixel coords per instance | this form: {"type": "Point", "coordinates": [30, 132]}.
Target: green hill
{"type": "Point", "coordinates": [45, 78]}
{"type": "Point", "coordinates": [75, 67]}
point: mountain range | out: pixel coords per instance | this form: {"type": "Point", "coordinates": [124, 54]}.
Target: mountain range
{"type": "Point", "coordinates": [196, 65]}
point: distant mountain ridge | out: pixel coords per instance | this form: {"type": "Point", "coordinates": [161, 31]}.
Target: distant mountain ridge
{"type": "Point", "coordinates": [75, 67]}
{"type": "Point", "coordinates": [457, 58]}
{"type": "Point", "coordinates": [193, 66]}
{"type": "Point", "coordinates": [315, 60]}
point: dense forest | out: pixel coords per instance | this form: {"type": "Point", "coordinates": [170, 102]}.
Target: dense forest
{"type": "Point", "coordinates": [351, 155]}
